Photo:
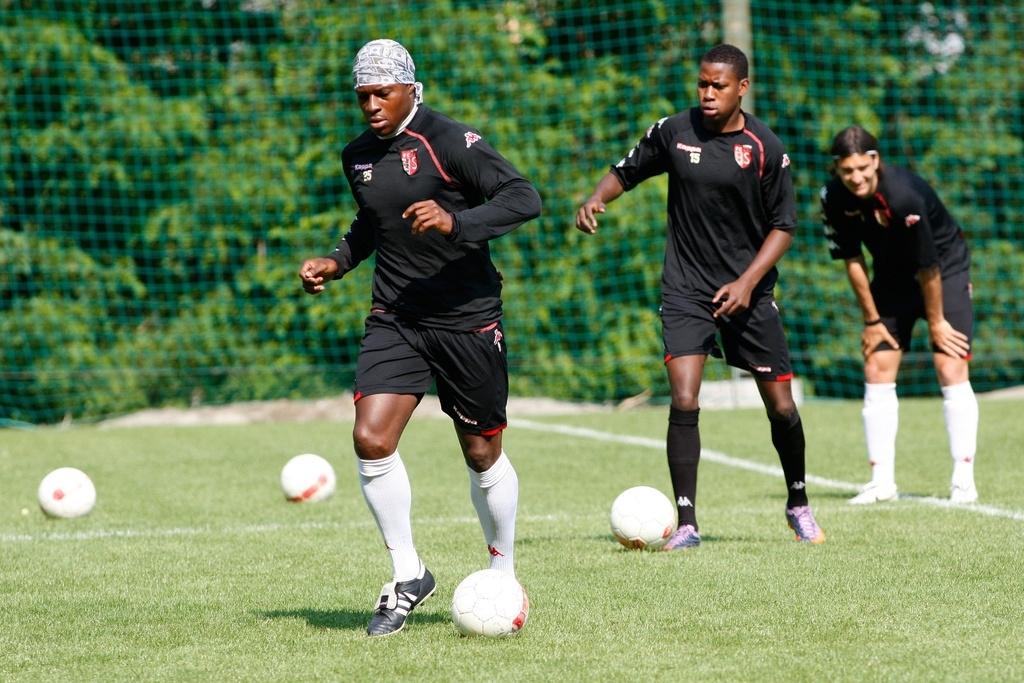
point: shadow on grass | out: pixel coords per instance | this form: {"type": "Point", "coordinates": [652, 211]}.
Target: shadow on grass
{"type": "Point", "coordinates": [704, 538]}
{"type": "Point", "coordinates": [832, 493]}
{"type": "Point", "coordinates": [342, 619]}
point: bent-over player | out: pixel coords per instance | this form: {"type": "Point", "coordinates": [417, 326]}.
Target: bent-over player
{"type": "Point", "coordinates": [921, 269]}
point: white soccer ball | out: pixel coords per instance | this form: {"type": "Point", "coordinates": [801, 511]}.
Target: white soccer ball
{"type": "Point", "coordinates": [489, 603]}
{"type": "Point", "coordinates": [643, 517]}
{"type": "Point", "coordinates": [307, 478]}
{"type": "Point", "coordinates": [66, 492]}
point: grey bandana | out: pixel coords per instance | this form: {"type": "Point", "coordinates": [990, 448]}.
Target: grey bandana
{"type": "Point", "coordinates": [385, 61]}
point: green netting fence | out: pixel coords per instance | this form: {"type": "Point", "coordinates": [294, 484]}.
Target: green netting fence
{"type": "Point", "coordinates": [166, 166]}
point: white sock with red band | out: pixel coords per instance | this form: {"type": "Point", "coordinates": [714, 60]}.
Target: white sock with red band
{"type": "Point", "coordinates": [881, 422]}
{"type": "Point", "coordinates": [960, 408]}
{"type": "Point", "coordinates": [495, 495]}
{"type": "Point", "coordinates": [388, 494]}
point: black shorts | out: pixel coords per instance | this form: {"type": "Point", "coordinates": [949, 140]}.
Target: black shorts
{"type": "Point", "coordinates": [901, 307]}
{"type": "Point", "coordinates": [470, 369]}
{"type": "Point", "coordinates": [753, 340]}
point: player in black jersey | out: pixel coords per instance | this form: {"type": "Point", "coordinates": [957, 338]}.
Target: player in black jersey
{"type": "Point", "coordinates": [431, 193]}
{"type": "Point", "coordinates": [920, 265]}
{"type": "Point", "coordinates": [731, 212]}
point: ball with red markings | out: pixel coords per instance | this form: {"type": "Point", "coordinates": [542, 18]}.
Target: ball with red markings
{"type": "Point", "coordinates": [490, 603]}
{"type": "Point", "coordinates": [643, 517]}
{"type": "Point", "coordinates": [307, 478]}
{"type": "Point", "coordinates": [66, 492]}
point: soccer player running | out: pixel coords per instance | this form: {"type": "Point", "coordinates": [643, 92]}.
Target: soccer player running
{"type": "Point", "coordinates": [731, 212]}
{"type": "Point", "coordinates": [431, 193]}
{"type": "Point", "coordinates": [920, 270]}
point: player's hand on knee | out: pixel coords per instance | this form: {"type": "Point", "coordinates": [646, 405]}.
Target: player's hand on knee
{"type": "Point", "coordinates": [949, 340]}
{"type": "Point", "coordinates": [873, 336]}
{"type": "Point", "coordinates": [315, 272]}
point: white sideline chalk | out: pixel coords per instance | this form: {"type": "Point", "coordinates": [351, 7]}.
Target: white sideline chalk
{"type": "Point", "coordinates": [760, 468]}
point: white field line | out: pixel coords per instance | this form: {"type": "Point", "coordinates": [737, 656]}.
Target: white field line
{"type": "Point", "coordinates": [568, 430]}
{"type": "Point", "coordinates": [272, 527]}
{"type": "Point", "coordinates": [750, 466]}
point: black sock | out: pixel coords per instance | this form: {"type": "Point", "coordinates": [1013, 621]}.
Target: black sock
{"type": "Point", "coordinates": [683, 456]}
{"type": "Point", "coordinates": [788, 438]}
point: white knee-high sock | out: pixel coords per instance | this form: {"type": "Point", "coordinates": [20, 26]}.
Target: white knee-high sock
{"type": "Point", "coordinates": [881, 421]}
{"type": "Point", "coordinates": [495, 495]}
{"type": "Point", "coordinates": [960, 408]}
{"type": "Point", "coordinates": [388, 494]}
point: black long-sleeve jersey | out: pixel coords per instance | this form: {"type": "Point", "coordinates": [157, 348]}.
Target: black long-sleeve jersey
{"type": "Point", "coordinates": [726, 192]}
{"type": "Point", "coordinates": [904, 225]}
{"type": "Point", "coordinates": [432, 279]}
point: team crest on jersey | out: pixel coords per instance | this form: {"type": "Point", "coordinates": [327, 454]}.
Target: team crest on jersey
{"type": "Point", "coordinates": [471, 138]}
{"type": "Point", "coordinates": [912, 219]}
{"type": "Point", "coordinates": [410, 161]}
{"type": "Point", "coordinates": [743, 154]}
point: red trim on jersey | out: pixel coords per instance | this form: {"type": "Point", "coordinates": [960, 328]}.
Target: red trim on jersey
{"type": "Point", "coordinates": [760, 156]}
{"type": "Point", "coordinates": [358, 396]}
{"type": "Point", "coordinates": [495, 431]}
{"type": "Point", "coordinates": [668, 357]}
{"type": "Point", "coordinates": [784, 378]}
{"type": "Point", "coordinates": [885, 208]}
{"type": "Point", "coordinates": [433, 157]}
{"type": "Point", "coordinates": [487, 328]}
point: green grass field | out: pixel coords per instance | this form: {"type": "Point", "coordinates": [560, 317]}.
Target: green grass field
{"type": "Point", "coordinates": [193, 567]}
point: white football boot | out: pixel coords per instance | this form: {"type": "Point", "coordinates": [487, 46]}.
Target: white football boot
{"type": "Point", "coordinates": [875, 492]}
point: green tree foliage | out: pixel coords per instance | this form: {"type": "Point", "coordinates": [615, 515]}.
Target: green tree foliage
{"type": "Point", "coordinates": [165, 167]}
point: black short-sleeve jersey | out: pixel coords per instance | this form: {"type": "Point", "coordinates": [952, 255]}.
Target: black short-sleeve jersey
{"type": "Point", "coordinates": [904, 225]}
{"type": "Point", "coordinates": [726, 192]}
{"type": "Point", "coordinates": [432, 279]}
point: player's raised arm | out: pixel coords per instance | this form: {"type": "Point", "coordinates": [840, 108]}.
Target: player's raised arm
{"type": "Point", "coordinates": [511, 200]}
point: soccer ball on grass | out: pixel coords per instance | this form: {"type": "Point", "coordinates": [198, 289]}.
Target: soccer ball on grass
{"type": "Point", "coordinates": [66, 492]}
{"type": "Point", "coordinates": [307, 478]}
{"type": "Point", "coordinates": [489, 603]}
{"type": "Point", "coordinates": [643, 517]}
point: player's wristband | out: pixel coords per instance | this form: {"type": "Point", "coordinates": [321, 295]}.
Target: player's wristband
{"type": "Point", "coordinates": [869, 323]}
